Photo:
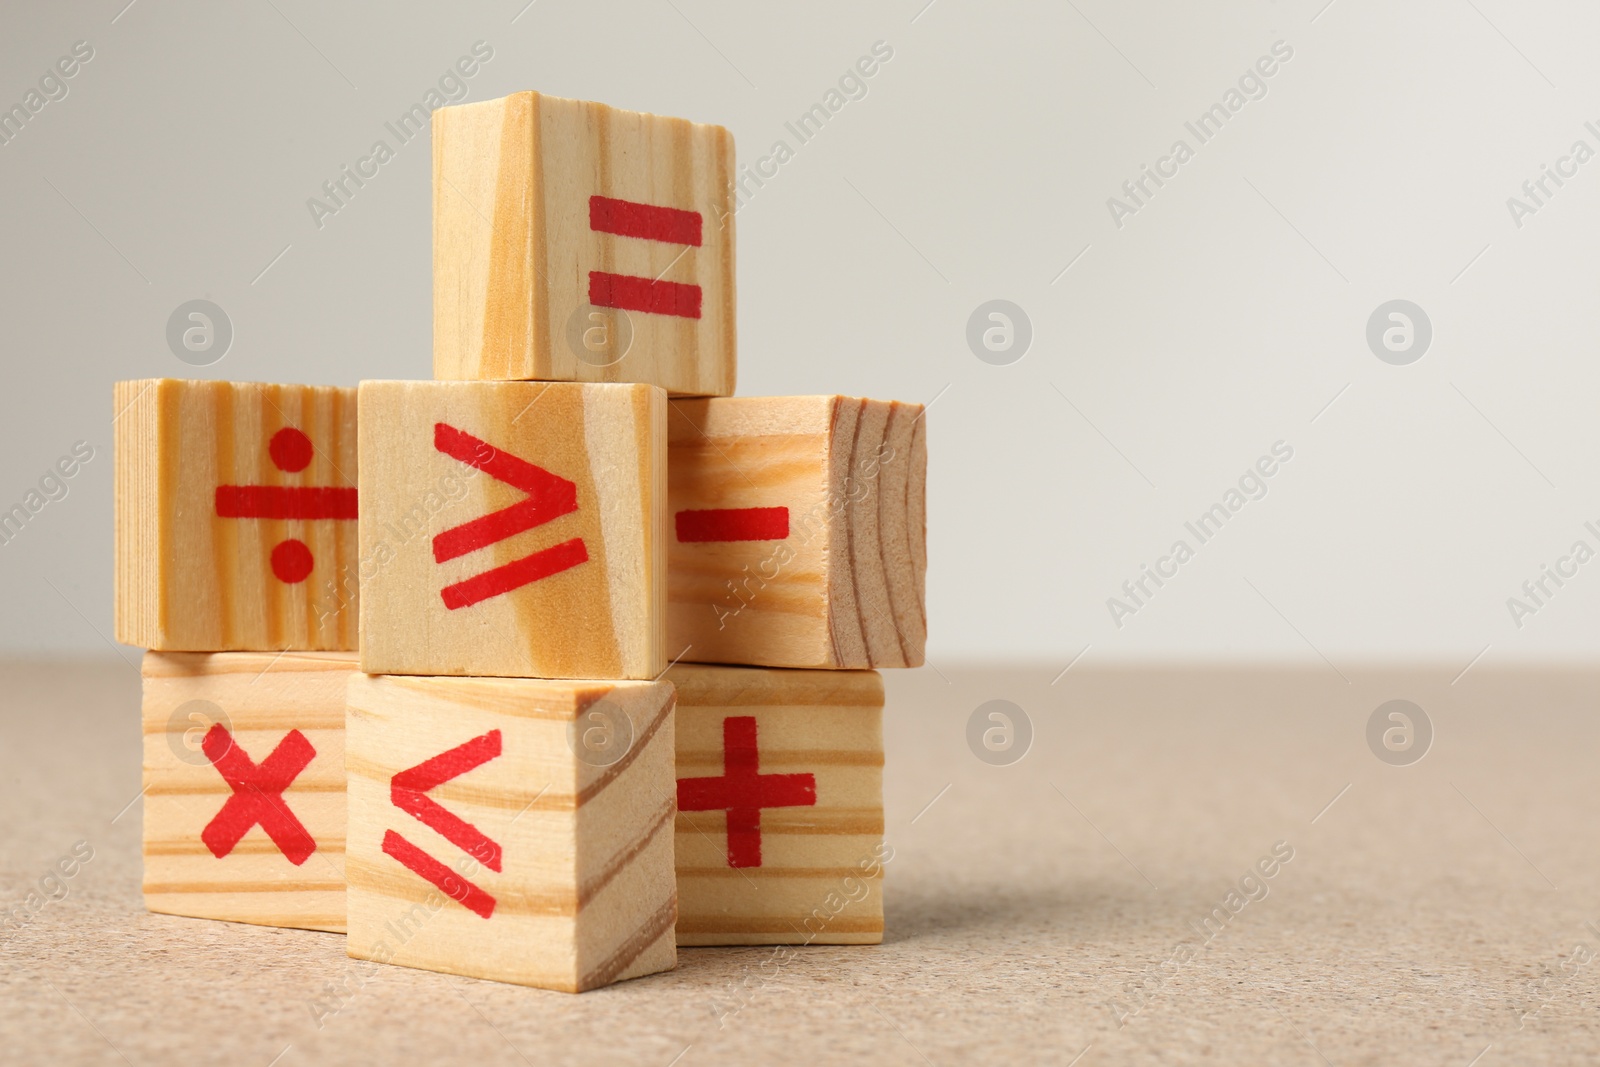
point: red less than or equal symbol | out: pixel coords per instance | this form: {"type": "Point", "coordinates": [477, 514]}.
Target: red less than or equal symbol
{"type": "Point", "coordinates": [408, 791]}
{"type": "Point", "coordinates": [291, 452]}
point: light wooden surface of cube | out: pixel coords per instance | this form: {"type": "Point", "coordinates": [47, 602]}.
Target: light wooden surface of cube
{"type": "Point", "coordinates": [780, 806]}
{"type": "Point", "coordinates": [798, 531]}
{"type": "Point", "coordinates": [513, 529]}
{"type": "Point", "coordinates": [512, 829]}
{"type": "Point", "coordinates": [244, 786]}
{"type": "Point", "coordinates": [573, 241]}
{"type": "Point", "coordinates": [235, 508]}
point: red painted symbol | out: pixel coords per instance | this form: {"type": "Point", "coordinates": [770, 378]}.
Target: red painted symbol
{"type": "Point", "coordinates": [733, 524]}
{"type": "Point", "coordinates": [291, 451]}
{"type": "Point", "coordinates": [408, 790]}
{"type": "Point", "coordinates": [743, 791]}
{"type": "Point", "coordinates": [549, 497]}
{"type": "Point", "coordinates": [257, 794]}
{"type": "Point", "coordinates": [647, 222]}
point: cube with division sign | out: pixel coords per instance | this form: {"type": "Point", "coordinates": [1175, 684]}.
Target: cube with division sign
{"type": "Point", "coordinates": [235, 516]}
{"type": "Point", "coordinates": [579, 242]}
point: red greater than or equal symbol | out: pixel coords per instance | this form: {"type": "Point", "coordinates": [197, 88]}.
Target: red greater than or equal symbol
{"type": "Point", "coordinates": [732, 524]}
{"type": "Point", "coordinates": [408, 789]}
{"type": "Point", "coordinates": [743, 791]}
{"type": "Point", "coordinates": [549, 497]}
{"type": "Point", "coordinates": [257, 794]}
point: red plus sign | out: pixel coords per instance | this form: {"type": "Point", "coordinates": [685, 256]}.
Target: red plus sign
{"type": "Point", "coordinates": [743, 791]}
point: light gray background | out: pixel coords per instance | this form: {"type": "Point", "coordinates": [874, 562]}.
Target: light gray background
{"type": "Point", "coordinates": [1228, 314]}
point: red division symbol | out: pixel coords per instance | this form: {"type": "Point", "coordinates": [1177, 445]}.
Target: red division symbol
{"type": "Point", "coordinates": [733, 524]}
{"type": "Point", "coordinates": [549, 497]}
{"type": "Point", "coordinates": [743, 791]}
{"type": "Point", "coordinates": [408, 790]}
{"type": "Point", "coordinates": [648, 222]}
{"type": "Point", "coordinates": [291, 451]}
{"type": "Point", "coordinates": [257, 794]}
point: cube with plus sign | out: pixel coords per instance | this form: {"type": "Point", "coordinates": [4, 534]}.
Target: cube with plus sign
{"type": "Point", "coordinates": [780, 806]}
{"type": "Point", "coordinates": [512, 829]}
{"type": "Point", "coordinates": [235, 516]}
{"type": "Point", "coordinates": [578, 242]}
{"type": "Point", "coordinates": [798, 534]}
{"type": "Point", "coordinates": [244, 786]}
{"type": "Point", "coordinates": [513, 529]}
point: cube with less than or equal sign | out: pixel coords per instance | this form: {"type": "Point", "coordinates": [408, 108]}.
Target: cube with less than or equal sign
{"type": "Point", "coordinates": [798, 531]}
{"type": "Point", "coordinates": [244, 778]}
{"type": "Point", "coordinates": [235, 516]}
{"type": "Point", "coordinates": [578, 242]}
{"type": "Point", "coordinates": [780, 806]}
{"type": "Point", "coordinates": [513, 529]}
{"type": "Point", "coordinates": [512, 829]}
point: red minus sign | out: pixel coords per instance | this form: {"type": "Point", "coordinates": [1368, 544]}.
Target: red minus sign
{"type": "Point", "coordinates": [733, 524]}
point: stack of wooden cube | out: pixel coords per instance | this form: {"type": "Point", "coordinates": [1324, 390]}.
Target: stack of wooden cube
{"type": "Point", "coordinates": [587, 673]}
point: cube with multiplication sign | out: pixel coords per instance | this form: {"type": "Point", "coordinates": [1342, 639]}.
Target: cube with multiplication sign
{"type": "Point", "coordinates": [797, 534]}
{"type": "Point", "coordinates": [511, 828]}
{"type": "Point", "coordinates": [513, 529]}
{"type": "Point", "coordinates": [578, 242]}
{"type": "Point", "coordinates": [244, 786]}
{"type": "Point", "coordinates": [235, 516]}
{"type": "Point", "coordinates": [780, 806]}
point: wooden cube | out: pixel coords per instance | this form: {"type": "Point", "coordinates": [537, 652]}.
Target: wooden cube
{"type": "Point", "coordinates": [780, 806]}
{"type": "Point", "coordinates": [244, 786]}
{"type": "Point", "coordinates": [513, 528]}
{"type": "Point", "coordinates": [235, 509]}
{"type": "Point", "coordinates": [578, 242]}
{"type": "Point", "coordinates": [798, 531]}
{"type": "Point", "coordinates": [512, 829]}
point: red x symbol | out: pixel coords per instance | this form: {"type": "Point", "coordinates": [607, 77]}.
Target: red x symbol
{"type": "Point", "coordinates": [743, 791]}
{"type": "Point", "coordinates": [257, 794]}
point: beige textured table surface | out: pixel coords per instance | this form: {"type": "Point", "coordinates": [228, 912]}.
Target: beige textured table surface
{"type": "Point", "coordinates": [1431, 914]}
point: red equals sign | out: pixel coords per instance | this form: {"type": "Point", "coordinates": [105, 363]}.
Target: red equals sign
{"type": "Point", "coordinates": [647, 222]}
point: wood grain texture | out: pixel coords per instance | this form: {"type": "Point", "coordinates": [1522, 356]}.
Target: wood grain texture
{"type": "Point", "coordinates": [513, 244]}
{"type": "Point", "coordinates": [845, 587]}
{"type": "Point", "coordinates": [598, 616]}
{"type": "Point", "coordinates": [258, 698]}
{"type": "Point", "coordinates": [191, 579]}
{"type": "Point", "coordinates": [820, 875]}
{"type": "Point", "coordinates": [569, 882]}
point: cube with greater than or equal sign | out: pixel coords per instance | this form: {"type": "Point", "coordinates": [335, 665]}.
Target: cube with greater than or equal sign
{"type": "Point", "coordinates": [578, 242]}
{"type": "Point", "coordinates": [780, 806]}
{"type": "Point", "coordinates": [244, 777]}
{"type": "Point", "coordinates": [798, 531]}
{"type": "Point", "coordinates": [513, 529]}
{"type": "Point", "coordinates": [235, 516]}
{"type": "Point", "coordinates": [512, 829]}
